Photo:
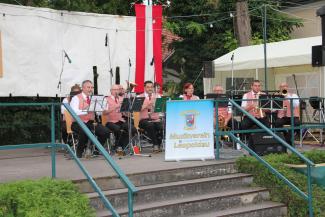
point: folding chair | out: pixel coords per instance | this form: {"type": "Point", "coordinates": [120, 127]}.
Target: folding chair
{"type": "Point", "coordinates": [70, 133]}
{"type": "Point", "coordinates": [141, 137]}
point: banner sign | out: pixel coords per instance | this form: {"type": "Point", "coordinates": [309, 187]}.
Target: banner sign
{"type": "Point", "coordinates": [189, 130]}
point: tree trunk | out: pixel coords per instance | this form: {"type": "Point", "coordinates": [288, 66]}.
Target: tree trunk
{"type": "Point", "coordinates": [243, 25]}
{"type": "Point", "coordinates": [29, 3]}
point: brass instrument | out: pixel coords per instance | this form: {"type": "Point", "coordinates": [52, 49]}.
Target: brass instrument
{"type": "Point", "coordinates": [259, 110]}
{"type": "Point", "coordinates": [130, 86]}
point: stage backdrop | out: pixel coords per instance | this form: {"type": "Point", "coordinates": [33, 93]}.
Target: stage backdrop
{"type": "Point", "coordinates": [189, 130]}
{"type": "Point", "coordinates": [32, 43]}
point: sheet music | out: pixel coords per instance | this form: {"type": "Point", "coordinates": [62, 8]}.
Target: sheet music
{"type": "Point", "coordinates": [97, 103]}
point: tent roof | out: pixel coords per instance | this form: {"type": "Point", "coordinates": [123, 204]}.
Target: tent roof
{"type": "Point", "coordinates": [283, 53]}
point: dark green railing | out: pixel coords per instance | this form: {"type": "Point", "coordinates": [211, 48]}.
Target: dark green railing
{"type": "Point", "coordinates": [54, 146]}
{"type": "Point", "coordinates": [308, 197]}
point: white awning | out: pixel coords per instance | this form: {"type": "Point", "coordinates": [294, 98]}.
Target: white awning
{"type": "Point", "coordinates": [284, 53]}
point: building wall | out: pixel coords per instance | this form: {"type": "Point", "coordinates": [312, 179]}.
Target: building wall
{"type": "Point", "coordinates": [312, 23]}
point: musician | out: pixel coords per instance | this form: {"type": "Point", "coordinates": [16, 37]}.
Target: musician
{"type": "Point", "coordinates": [188, 91]}
{"type": "Point", "coordinates": [284, 116]}
{"type": "Point", "coordinates": [149, 120]}
{"type": "Point", "coordinates": [224, 113]}
{"type": "Point", "coordinates": [80, 103]}
{"type": "Point", "coordinates": [252, 107]}
{"type": "Point", "coordinates": [121, 92]}
{"type": "Point", "coordinates": [116, 123]}
{"type": "Point", "coordinates": [75, 89]}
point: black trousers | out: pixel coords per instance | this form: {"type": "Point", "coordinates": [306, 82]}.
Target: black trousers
{"type": "Point", "coordinates": [99, 130]}
{"type": "Point", "coordinates": [153, 129]}
{"type": "Point", "coordinates": [247, 123]}
{"type": "Point", "coordinates": [287, 120]}
{"type": "Point", "coordinates": [121, 132]}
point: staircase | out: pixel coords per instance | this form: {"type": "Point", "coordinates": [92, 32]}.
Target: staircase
{"type": "Point", "coordinates": [207, 191]}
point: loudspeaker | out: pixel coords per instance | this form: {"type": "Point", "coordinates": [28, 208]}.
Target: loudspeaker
{"type": "Point", "coordinates": [318, 55]}
{"type": "Point", "coordinates": [208, 69]}
{"type": "Point", "coordinates": [263, 143]}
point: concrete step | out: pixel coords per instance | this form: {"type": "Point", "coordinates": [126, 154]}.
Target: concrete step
{"type": "Point", "coordinates": [265, 209]}
{"type": "Point", "coordinates": [173, 190]}
{"type": "Point", "coordinates": [161, 176]}
{"type": "Point", "coordinates": [196, 204]}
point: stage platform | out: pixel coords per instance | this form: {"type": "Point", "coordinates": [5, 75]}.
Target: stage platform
{"type": "Point", "coordinates": [36, 163]}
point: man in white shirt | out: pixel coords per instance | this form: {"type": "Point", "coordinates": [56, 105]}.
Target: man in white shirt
{"type": "Point", "coordinates": [80, 104]}
{"type": "Point", "coordinates": [284, 116]}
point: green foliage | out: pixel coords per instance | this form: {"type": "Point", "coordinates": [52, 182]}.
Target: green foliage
{"type": "Point", "coordinates": [279, 191]}
{"type": "Point", "coordinates": [26, 124]}
{"type": "Point", "coordinates": [43, 198]}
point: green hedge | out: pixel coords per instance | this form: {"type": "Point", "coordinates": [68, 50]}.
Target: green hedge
{"type": "Point", "coordinates": [279, 191]}
{"type": "Point", "coordinates": [43, 198]}
{"type": "Point", "coordinates": [26, 124]}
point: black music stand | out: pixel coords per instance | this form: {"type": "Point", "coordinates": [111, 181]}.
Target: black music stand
{"type": "Point", "coordinates": [222, 97]}
{"type": "Point", "coordinates": [271, 102]}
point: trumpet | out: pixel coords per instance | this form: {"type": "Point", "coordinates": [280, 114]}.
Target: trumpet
{"type": "Point", "coordinates": [130, 85]}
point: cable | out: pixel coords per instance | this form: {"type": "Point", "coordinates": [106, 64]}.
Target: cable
{"type": "Point", "coordinates": [287, 13]}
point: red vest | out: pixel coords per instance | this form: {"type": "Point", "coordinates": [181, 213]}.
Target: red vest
{"type": "Point", "coordinates": [286, 112]}
{"type": "Point", "coordinates": [145, 114]}
{"type": "Point", "coordinates": [83, 105]}
{"type": "Point", "coordinates": [115, 115]}
{"type": "Point", "coordinates": [254, 112]}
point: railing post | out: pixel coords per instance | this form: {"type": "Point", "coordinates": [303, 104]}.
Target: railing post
{"type": "Point", "coordinates": [53, 146]}
{"type": "Point", "coordinates": [217, 132]}
{"type": "Point", "coordinates": [292, 139]}
{"type": "Point", "coordinates": [130, 203]}
{"type": "Point", "coordinates": [310, 192]}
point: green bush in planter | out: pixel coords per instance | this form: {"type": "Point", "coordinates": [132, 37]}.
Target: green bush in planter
{"type": "Point", "coordinates": [43, 198]}
{"type": "Point", "coordinates": [279, 191]}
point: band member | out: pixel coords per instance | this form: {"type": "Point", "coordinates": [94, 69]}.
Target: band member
{"type": "Point", "coordinates": [121, 91]}
{"type": "Point", "coordinates": [80, 103]}
{"type": "Point", "coordinates": [224, 112]}
{"type": "Point", "coordinates": [116, 123]}
{"type": "Point", "coordinates": [149, 120]}
{"type": "Point", "coordinates": [188, 91]}
{"type": "Point", "coordinates": [252, 107]}
{"type": "Point", "coordinates": [284, 116]}
{"type": "Point", "coordinates": [75, 89]}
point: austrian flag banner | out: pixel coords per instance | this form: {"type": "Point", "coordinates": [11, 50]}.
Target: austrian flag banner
{"type": "Point", "coordinates": [148, 45]}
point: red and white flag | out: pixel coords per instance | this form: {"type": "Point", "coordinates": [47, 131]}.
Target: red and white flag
{"type": "Point", "coordinates": [148, 45]}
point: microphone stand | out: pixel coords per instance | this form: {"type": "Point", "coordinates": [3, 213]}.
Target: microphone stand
{"type": "Point", "coordinates": [232, 97]}
{"type": "Point", "coordinates": [59, 86]}
{"type": "Point", "coordinates": [107, 44]}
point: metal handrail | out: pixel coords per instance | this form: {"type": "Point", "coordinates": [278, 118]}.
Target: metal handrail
{"type": "Point", "coordinates": [272, 169]}
{"type": "Point", "coordinates": [53, 145]}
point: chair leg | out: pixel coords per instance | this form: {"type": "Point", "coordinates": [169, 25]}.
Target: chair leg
{"type": "Point", "coordinates": [73, 143]}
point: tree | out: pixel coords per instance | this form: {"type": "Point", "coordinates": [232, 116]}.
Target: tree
{"type": "Point", "coordinates": [212, 34]}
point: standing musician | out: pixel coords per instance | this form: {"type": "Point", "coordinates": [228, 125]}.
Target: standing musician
{"type": "Point", "coordinates": [116, 123]}
{"type": "Point", "coordinates": [149, 120]}
{"type": "Point", "coordinates": [284, 116]}
{"type": "Point", "coordinates": [252, 107]}
{"type": "Point", "coordinates": [80, 103]}
{"type": "Point", "coordinates": [188, 91]}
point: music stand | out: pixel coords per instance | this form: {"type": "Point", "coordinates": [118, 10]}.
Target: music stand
{"type": "Point", "coordinates": [97, 104]}
{"type": "Point", "coordinates": [160, 104]}
{"type": "Point", "coordinates": [271, 102]}
{"type": "Point", "coordinates": [223, 99]}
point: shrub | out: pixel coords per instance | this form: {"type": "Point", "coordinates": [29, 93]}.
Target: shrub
{"type": "Point", "coordinates": [279, 191]}
{"type": "Point", "coordinates": [43, 198]}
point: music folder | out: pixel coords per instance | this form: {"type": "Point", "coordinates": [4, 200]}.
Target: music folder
{"type": "Point", "coordinates": [133, 104]}
{"type": "Point", "coordinates": [160, 104]}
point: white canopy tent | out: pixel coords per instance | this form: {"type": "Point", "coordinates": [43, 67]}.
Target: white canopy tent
{"type": "Point", "coordinates": [284, 59]}
{"type": "Point", "coordinates": [279, 54]}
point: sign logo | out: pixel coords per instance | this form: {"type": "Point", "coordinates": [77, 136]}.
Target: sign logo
{"type": "Point", "coordinates": [190, 119]}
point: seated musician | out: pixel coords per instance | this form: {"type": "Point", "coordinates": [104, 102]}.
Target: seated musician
{"type": "Point", "coordinates": [149, 120]}
{"type": "Point", "coordinates": [188, 91]}
{"type": "Point", "coordinates": [284, 116]}
{"type": "Point", "coordinates": [80, 103]}
{"type": "Point", "coordinates": [224, 113]}
{"type": "Point", "coordinates": [75, 89]}
{"type": "Point", "coordinates": [116, 123]}
{"type": "Point", "coordinates": [251, 106]}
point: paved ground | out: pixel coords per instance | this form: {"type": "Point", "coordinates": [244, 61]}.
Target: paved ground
{"type": "Point", "coordinates": [36, 163]}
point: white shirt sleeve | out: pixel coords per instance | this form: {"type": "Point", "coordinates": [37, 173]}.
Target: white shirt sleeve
{"type": "Point", "coordinates": [295, 101]}
{"type": "Point", "coordinates": [75, 106]}
{"type": "Point", "coordinates": [244, 103]}
{"type": "Point", "coordinates": [65, 100]}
